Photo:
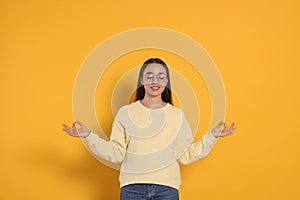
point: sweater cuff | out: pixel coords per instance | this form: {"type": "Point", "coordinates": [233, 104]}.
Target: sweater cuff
{"type": "Point", "coordinates": [90, 136]}
{"type": "Point", "coordinates": [212, 137]}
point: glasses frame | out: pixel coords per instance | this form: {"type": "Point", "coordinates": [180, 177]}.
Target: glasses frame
{"type": "Point", "coordinates": [158, 79]}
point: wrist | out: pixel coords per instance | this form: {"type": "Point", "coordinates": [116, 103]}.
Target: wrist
{"type": "Point", "coordinates": [88, 134]}
{"type": "Point", "coordinates": [215, 134]}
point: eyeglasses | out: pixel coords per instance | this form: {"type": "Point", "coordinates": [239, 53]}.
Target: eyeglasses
{"type": "Point", "coordinates": [149, 77]}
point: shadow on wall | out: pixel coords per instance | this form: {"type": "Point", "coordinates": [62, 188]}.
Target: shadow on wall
{"type": "Point", "coordinates": [102, 181]}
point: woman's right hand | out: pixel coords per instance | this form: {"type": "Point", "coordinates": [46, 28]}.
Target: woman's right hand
{"type": "Point", "coordinates": [82, 131]}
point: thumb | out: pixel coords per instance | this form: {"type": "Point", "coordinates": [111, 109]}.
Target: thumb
{"type": "Point", "coordinates": [77, 122]}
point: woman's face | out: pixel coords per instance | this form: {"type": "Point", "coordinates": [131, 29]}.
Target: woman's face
{"type": "Point", "coordinates": [154, 79]}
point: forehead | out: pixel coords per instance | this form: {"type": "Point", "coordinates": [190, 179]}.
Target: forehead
{"type": "Point", "coordinates": [155, 68]}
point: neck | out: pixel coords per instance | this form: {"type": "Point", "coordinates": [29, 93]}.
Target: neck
{"type": "Point", "coordinates": [152, 101]}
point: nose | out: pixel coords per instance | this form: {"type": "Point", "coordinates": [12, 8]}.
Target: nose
{"type": "Point", "coordinates": [154, 79]}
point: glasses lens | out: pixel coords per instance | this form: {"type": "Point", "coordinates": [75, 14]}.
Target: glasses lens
{"type": "Point", "coordinates": [159, 77]}
{"type": "Point", "coordinates": [149, 78]}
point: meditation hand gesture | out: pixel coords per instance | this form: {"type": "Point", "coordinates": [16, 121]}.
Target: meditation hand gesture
{"type": "Point", "coordinates": [217, 132]}
{"type": "Point", "coordinates": [82, 131]}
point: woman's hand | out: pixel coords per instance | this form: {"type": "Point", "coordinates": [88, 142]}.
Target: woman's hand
{"type": "Point", "coordinates": [82, 131]}
{"type": "Point", "coordinates": [217, 132]}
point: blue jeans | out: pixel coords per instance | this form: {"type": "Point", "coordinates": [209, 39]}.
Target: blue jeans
{"type": "Point", "coordinates": [141, 191]}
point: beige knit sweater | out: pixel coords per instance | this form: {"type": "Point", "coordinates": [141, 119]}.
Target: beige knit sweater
{"type": "Point", "coordinates": [150, 143]}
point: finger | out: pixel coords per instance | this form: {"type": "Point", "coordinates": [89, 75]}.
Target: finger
{"type": "Point", "coordinates": [69, 132]}
{"type": "Point", "coordinates": [74, 126]}
{"type": "Point", "coordinates": [220, 124]}
{"type": "Point", "coordinates": [66, 126]}
{"type": "Point", "coordinates": [80, 124]}
{"type": "Point", "coordinates": [223, 134]}
{"type": "Point", "coordinates": [228, 133]}
{"type": "Point", "coordinates": [232, 128]}
{"type": "Point", "coordinates": [75, 129]}
{"type": "Point", "coordinates": [225, 126]}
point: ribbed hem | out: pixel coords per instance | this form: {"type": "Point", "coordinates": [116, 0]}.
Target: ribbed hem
{"type": "Point", "coordinates": [169, 176]}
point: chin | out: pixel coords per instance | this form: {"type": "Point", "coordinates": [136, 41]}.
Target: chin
{"type": "Point", "coordinates": [154, 94]}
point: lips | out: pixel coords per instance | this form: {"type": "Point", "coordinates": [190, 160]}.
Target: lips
{"type": "Point", "coordinates": [155, 88]}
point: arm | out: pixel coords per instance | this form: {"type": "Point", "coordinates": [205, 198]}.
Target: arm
{"type": "Point", "coordinates": [198, 149]}
{"type": "Point", "coordinates": [187, 152]}
{"type": "Point", "coordinates": [113, 150]}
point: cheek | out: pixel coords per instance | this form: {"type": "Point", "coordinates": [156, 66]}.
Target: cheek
{"type": "Point", "coordinates": [147, 87]}
{"type": "Point", "coordinates": [162, 88]}
{"type": "Point", "coordinates": [165, 83]}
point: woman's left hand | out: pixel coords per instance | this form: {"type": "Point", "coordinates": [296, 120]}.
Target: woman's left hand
{"type": "Point", "coordinates": [217, 132]}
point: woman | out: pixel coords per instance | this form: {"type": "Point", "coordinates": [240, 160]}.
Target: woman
{"type": "Point", "coordinates": [150, 136]}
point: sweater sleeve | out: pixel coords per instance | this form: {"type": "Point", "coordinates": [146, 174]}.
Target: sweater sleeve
{"type": "Point", "coordinates": [187, 152]}
{"type": "Point", "coordinates": [113, 150]}
{"type": "Point", "coordinates": [199, 149]}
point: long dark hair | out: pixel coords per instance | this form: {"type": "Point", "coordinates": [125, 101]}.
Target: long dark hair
{"type": "Point", "coordinates": [166, 95]}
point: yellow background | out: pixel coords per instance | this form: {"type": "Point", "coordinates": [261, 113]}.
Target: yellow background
{"type": "Point", "coordinates": [255, 45]}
